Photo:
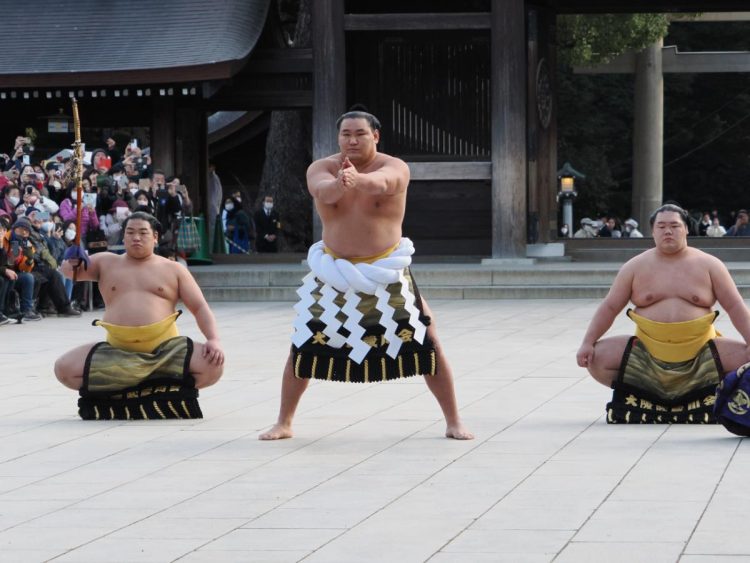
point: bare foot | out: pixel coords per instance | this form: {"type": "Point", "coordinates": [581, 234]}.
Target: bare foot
{"type": "Point", "coordinates": [278, 432]}
{"type": "Point", "coordinates": [458, 432]}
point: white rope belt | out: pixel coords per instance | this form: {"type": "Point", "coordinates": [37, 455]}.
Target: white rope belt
{"type": "Point", "coordinates": [340, 275]}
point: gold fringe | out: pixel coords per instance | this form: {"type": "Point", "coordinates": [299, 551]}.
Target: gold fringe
{"type": "Point", "coordinates": [433, 359]}
{"type": "Point", "coordinates": [367, 372]}
{"type": "Point", "coordinates": [314, 366]}
{"type": "Point", "coordinates": [174, 411]}
{"type": "Point", "coordinates": [330, 369]}
{"type": "Point", "coordinates": [400, 366]}
{"type": "Point", "coordinates": [185, 409]}
{"type": "Point", "coordinates": [127, 413]}
{"type": "Point", "coordinates": [296, 365]}
{"type": "Point", "coordinates": [157, 409]}
{"type": "Point", "coordinates": [383, 371]}
{"type": "Point", "coordinates": [96, 412]}
{"type": "Point", "coordinates": [111, 413]}
{"type": "Point", "coordinates": [416, 364]}
{"type": "Point", "coordinates": [348, 369]}
{"type": "Point", "coordinates": [143, 412]}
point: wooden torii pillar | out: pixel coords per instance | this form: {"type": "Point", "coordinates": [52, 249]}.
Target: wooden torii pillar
{"type": "Point", "coordinates": [649, 67]}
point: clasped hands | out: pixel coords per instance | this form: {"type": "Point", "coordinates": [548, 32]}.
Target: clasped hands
{"type": "Point", "coordinates": [347, 175]}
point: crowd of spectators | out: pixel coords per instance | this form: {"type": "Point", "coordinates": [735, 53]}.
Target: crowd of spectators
{"type": "Point", "coordinates": [38, 210]}
{"type": "Point", "coordinates": [706, 224]}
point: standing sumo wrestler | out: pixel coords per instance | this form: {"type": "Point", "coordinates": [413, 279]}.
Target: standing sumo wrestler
{"type": "Point", "coordinates": [361, 317]}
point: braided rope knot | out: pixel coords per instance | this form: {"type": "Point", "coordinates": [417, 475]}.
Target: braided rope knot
{"type": "Point", "coordinates": [348, 278]}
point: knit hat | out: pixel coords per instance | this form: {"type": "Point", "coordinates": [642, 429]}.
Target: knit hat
{"type": "Point", "coordinates": [117, 203]}
{"type": "Point", "coordinates": [24, 223]}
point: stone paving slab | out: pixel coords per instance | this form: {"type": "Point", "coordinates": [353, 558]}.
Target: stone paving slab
{"type": "Point", "coordinates": [368, 477]}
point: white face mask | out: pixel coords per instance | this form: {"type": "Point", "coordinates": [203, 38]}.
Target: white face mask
{"type": "Point", "coordinates": [564, 230]}
{"type": "Point", "coordinates": [47, 226]}
{"type": "Point", "coordinates": [267, 206]}
{"type": "Point", "coordinates": [70, 234]}
{"type": "Point", "coordinates": [14, 200]}
{"type": "Point", "coordinates": [229, 206]}
{"type": "Point", "coordinates": [74, 195]}
{"type": "Point", "coordinates": [133, 190]}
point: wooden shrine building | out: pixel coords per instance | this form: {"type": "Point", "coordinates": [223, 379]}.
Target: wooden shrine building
{"type": "Point", "coordinates": [465, 92]}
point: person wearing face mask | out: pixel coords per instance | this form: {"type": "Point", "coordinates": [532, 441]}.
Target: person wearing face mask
{"type": "Point", "coordinates": [52, 233]}
{"type": "Point", "coordinates": [111, 223]}
{"type": "Point", "coordinates": [564, 230]}
{"type": "Point", "coordinates": [10, 200]}
{"type": "Point", "coordinates": [238, 227]}
{"type": "Point", "coordinates": [17, 279]}
{"type": "Point", "coordinates": [142, 202]}
{"type": "Point", "coordinates": [69, 210]}
{"type": "Point", "coordinates": [33, 259]}
{"type": "Point", "coordinates": [267, 226]}
{"type": "Point", "coordinates": [33, 198]}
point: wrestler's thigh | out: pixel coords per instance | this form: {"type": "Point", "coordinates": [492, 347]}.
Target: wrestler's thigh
{"type": "Point", "coordinates": [204, 372]}
{"type": "Point", "coordinates": [608, 352]}
{"type": "Point", "coordinates": [432, 329]}
{"type": "Point", "coordinates": [732, 353]}
{"type": "Point", "coordinates": [69, 366]}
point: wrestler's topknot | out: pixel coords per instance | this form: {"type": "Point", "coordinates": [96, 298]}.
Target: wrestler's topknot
{"type": "Point", "coordinates": [670, 207]}
{"type": "Point", "coordinates": [358, 111]}
{"type": "Point", "coordinates": [143, 216]}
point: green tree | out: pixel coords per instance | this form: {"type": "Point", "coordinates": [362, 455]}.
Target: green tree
{"type": "Point", "coordinates": [591, 39]}
{"type": "Point", "coordinates": [595, 117]}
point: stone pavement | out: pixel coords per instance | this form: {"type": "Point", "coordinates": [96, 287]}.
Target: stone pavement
{"type": "Point", "coordinates": [368, 477]}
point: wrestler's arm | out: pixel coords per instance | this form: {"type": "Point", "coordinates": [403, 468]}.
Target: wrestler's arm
{"type": "Point", "coordinates": [615, 301]}
{"type": "Point", "coordinates": [391, 179]}
{"type": "Point", "coordinates": [92, 272]}
{"type": "Point", "coordinates": [192, 296]}
{"type": "Point", "coordinates": [729, 297]}
{"type": "Point", "coordinates": [322, 183]}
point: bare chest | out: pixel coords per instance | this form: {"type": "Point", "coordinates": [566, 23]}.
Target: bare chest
{"type": "Point", "coordinates": [690, 284]}
{"type": "Point", "coordinates": [127, 282]}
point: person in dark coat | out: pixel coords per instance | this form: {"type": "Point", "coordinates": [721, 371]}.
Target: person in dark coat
{"type": "Point", "coordinates": [267, 227]}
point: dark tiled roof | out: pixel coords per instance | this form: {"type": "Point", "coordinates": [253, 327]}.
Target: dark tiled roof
{"type": "Point", "coordinates": [61, 43]}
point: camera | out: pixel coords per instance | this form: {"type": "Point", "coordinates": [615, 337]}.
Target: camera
{"type": "Point", "coordinates": [27, 149]}
{"type": "Point", "coordinates": [106, 183]}
{"type": "Point", "coordinates": [29, 189]}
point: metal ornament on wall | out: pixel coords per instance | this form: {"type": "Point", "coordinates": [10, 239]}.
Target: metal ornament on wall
{"type": "Point", "coordinates": [543, 93]}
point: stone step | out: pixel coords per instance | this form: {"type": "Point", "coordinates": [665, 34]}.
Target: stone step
{"type": "Point", "coordinates": [279, 282]}
{"type": "Point", "coordinates": [464, 276]}
{"type": "Point", "coordinates": [243, 294]}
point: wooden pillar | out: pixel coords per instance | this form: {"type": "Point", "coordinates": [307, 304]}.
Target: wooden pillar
{"type": "Point", "coordinates": [546, 108]}
{"type": "Point", "coordinates": [163, 134]}
{"type": "Point", "coordinates": [648, 135]}
{"type": "Point", "coordinates": [508, 84]}
{"type": "Point", "coordinates": [329, 80]}
{"type": "Point", "coordinates": [191, 154]}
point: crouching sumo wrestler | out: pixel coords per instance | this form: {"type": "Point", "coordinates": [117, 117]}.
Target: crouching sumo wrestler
{"type": "Point", "coordinates": [144, 370]}
{"type": "Point", "coordinates": [668, 372]}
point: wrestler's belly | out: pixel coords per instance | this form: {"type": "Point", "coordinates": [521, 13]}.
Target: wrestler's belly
{"type": "Point", "coordinates": [137, 309]}
{"type": "Point", "coordinates": [353, 237]}
{"type": "Point", "coordinates": [672, 310]}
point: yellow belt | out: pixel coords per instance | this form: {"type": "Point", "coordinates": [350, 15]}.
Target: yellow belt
{"type": "Point", "coordinates": [675, 342]}
{"type": "Point", "coordinates": [144, 338]}
{"type": "Point", "coordinates": [365, 259]}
